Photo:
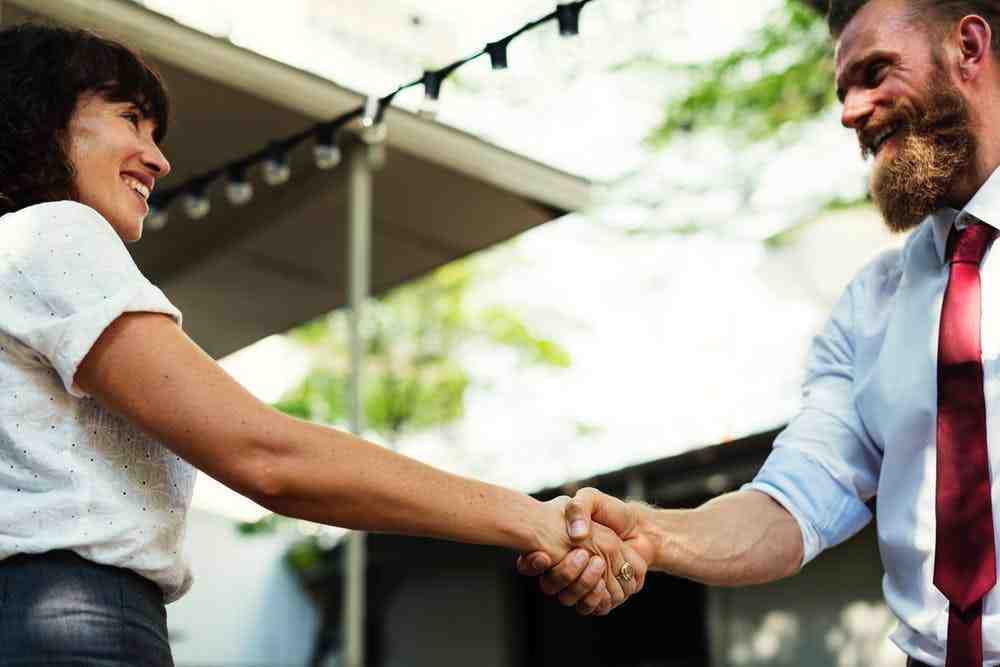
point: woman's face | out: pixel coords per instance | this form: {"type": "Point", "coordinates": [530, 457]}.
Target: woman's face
{"type": "Point", "coordinates": [117, 162]}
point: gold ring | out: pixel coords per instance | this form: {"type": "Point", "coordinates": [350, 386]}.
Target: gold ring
{"type": "Point", "coordinates": [626, 572]}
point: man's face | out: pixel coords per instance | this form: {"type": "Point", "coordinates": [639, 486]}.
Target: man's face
{"type": "Point", "coordinates": [111, 147]}
{"type": "Point", "coordinates": [898, 97]}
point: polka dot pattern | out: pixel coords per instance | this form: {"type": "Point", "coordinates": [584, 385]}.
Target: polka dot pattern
{"type": "Point", "coordinates": [72, 474]}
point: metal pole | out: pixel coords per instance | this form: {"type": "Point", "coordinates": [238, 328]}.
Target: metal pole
{"type": "Point", "coordinates": [635, 487]}
{"type": "Point", "coordinates": [359, 261]}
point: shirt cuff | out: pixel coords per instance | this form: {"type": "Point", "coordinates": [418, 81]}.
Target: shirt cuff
{"type": "Point", "coordinates": [826, 511]}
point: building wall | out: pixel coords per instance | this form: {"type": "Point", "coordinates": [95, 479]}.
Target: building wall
{"type": "Point", "coordinates": [451, 617]}
{"type": "Point", "coordinates": [831, 614]}
{"type": "Point", "coordinates": [245, 607]}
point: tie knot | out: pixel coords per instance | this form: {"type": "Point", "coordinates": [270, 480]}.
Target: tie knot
{"type": "Point", "coordinates": [970, 244]}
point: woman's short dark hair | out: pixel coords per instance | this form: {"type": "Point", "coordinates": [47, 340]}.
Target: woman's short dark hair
{"type": "Point", "coordinates": [44, 70]}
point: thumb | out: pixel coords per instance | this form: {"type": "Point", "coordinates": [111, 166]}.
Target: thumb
{"type": "Point", "coordinates": [578, 512]}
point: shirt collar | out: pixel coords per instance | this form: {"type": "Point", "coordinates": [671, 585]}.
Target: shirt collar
{"type": "Point", "coordinates": [984, 206]}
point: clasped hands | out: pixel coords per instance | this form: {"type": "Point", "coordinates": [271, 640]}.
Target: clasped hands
{"type": "Point", "coordinates": [582, 558]}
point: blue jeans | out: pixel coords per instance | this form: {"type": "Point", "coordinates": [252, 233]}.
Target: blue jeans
{"type": "Point", "coordinates": [59, 610]}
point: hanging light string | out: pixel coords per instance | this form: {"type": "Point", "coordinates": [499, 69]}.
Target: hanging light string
{"type": "Point", "coordinates": [274, 161]}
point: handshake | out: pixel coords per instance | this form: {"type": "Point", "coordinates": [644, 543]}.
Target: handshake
{"type": "Point", "coordinates": [600, 554]}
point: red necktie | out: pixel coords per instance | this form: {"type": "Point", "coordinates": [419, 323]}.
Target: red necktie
{"type": "Point", "coordinates": [965, 553]}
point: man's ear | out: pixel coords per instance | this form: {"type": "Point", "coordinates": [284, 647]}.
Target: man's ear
{"type": "Point", "coordinates": [974, 40]}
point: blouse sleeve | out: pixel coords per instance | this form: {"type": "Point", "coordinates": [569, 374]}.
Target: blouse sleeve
{"type": "Point", "coordinates": [65, 275]}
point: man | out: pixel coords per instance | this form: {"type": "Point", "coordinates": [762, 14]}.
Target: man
{"type": "Point", "coordinates": [902, 390]}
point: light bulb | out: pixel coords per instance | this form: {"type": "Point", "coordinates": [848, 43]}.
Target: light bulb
{"type": "Point", "coordinates": [239, 192]}
{"type": "Point", "coordinates": [196, 205]}
{"type": "Point", "coordinates": [157, 218]}
{"type": "Point", "coordinates": [327, 156]}
{"type": "Point", "coordinates": [276, 171]}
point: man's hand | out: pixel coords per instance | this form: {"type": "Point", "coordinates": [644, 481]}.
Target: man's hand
{"type": "Point", "coordinates": [595, 584]}
{"type": "Point", "coordinates": [575, 579]}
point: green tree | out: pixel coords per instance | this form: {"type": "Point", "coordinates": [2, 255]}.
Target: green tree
{"type": "Point", "coordinates": [782, 75]}
{"type": "Point", "coordinates": [767, 91]}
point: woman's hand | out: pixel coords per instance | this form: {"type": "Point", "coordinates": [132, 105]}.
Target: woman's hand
{"type": "Point", "coordinates": [588, 574]}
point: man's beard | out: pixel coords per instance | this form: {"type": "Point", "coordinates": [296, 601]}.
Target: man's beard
{"type": "Point", "coordinates": [933, 148]}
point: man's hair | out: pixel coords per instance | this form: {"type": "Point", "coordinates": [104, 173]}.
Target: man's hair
{"type": "Point", "coordinates": [937, 15]}
{"type": "Point", "coordinates": [44, 70]}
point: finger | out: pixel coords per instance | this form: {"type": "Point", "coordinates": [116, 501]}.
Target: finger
{"type": "Point", "coordinates": [613, 512]}
{"type": "Point", "coordinates": [618, 594]}
{"type": "Point", "coordinates": [565, 572]}
{"type": "Point", "coordinates": [578, 512]}
{"type": "Point", "coordinates": [620, 589]}
{"type": "Point", "coordinates": [534, 564]}
{"type": "Point", "coordinates": [587, 582]}
{"type": "Point", "coordinates": [639, 567]}
{"type": "Point", "coordinates": [592, 600]}
{"type": "Point", "coordinates": [604, 608]}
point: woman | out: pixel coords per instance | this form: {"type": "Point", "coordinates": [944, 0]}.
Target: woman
{"type": "Point", "coordinates": [107, 408]}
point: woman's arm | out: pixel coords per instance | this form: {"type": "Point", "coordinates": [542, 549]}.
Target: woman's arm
{"type": "Point", "coordinates": [145, 368]}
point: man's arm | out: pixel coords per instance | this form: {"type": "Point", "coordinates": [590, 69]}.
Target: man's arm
{"type": "Point", "coordinates": [740, 538]}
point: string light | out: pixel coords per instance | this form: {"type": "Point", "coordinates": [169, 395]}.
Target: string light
{"type": "Point", "coordinates": [568, 16]}
{"type": "Point", "coordinates": [276, 170]}
{"type": "Point", "coordinates": [275, 167]}
{"type": "Point", "coordinates": [239, 191]}
{"type": "Point", "coordinates": [326, 152]}
{"type": "Point", "coordinates": [157, 217]}
{"type": "Point", "coordinates": [498, 53]}
{"type": "Point", "coordinates": [196, 204]}
{"type": "Point", "coordinates": [432, 81]}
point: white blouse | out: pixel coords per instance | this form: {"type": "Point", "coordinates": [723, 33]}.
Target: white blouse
{"type": "Point", "coordinates": [74, 475]}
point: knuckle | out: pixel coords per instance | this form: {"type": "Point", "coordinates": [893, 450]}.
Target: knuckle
{"type": "Point", "coordinates": [566, 599]}
{"type": "Point", "coordinates": [592, 576]}
{"type": "Point", "coordinates": [587, 605]}
{"type": "Point", "coordinates": [548, 587]}
{"type": "Point", "coordinates": [589, 580]}
{"type": "Point", "coordinates": [560, 577]}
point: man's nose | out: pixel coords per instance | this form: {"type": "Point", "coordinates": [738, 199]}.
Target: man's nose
{"type": "Point", "coordinates": [857, 108]}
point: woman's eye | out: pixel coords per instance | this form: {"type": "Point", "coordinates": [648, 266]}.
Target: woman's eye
{"type": "Point", "coordinates": [132, 117]}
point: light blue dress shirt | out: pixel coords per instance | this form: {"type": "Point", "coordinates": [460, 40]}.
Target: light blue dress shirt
{"type": "Point", "coordinates": [868, 421]}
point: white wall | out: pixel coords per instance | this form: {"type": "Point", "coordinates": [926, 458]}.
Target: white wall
{"type": "Point", "coordinates": [245, 607]}
{"type": "Point", "coordinates": [831, 614]}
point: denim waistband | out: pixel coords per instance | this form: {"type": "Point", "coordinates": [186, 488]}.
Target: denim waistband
{"type": "Point", "coordinates": [59, 608]}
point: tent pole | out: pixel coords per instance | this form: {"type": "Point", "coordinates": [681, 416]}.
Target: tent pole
{"type": "Point", "coordinates": [359, 267]}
